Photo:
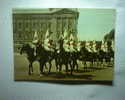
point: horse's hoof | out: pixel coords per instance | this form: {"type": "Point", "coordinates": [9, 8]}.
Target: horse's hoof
{"type": "Point", "coordinates": [67, 73]}
{"type": "Point", "coordinates": [29, 73]}
{"type": "Point", "coordinates": [41, 75]}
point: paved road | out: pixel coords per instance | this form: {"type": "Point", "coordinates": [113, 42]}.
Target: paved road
{"type": "Point", "coordinates": [21, 72]}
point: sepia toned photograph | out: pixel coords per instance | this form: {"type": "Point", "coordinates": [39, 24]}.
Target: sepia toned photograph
{"type": "Point", "coordinates": [64, 44]}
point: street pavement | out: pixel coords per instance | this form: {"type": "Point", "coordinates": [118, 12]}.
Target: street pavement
{"type": "Point", "coordinates": [21, 72]}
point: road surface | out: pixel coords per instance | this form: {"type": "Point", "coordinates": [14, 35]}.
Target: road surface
{"type": "Point", "coordinates": [21, 72]}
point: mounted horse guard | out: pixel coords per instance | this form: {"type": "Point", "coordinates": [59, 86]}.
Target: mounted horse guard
{"type": "Point", "coordinates": [105, 49]}
{"type": "Point", "coordinates": [48, 43]}
{"type": "Point", "coordinates": [94, 46]}
{"type": "Point", "coordinates": [35, 42]}
{"type": "Point", "coordinates": [30, 50]}
{"type": "Point", "coordinates": [79, 46]}
{"type": "Point", "coordinates": [72, 44]}
{"type": "Point", "coordinates": [66, 43]}
{"type": "Point", "coordinates": [88, 46]}
{"type": "Point", "coordinates": [103, 46]}
{"type": "Point", "coordinates": [59, 45]}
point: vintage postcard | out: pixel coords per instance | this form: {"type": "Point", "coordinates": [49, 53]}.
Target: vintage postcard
{"type": "Point", "coordinates": [64, 44]}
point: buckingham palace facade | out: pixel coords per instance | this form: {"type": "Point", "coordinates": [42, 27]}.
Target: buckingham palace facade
{"type": "Point", "coordinates": [28, 21]}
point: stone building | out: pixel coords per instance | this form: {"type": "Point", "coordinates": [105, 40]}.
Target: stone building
{"type": "Point", "coordinates": [56, 20]}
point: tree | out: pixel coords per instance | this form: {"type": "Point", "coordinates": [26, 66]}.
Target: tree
{"type": "Point", "coordinates": [110, 35]}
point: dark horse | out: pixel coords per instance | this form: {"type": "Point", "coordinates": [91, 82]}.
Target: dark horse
{"type": "Point", "coordinates": [44, 57]}
{"type": "Point", "coordinates": [26, 48]}
{"type": "Point", "coordinates": [65, 58]}
{"type": "Point", "coordinates": [86, 56]}
{"type": "Point", "coordinates": [105, 56]}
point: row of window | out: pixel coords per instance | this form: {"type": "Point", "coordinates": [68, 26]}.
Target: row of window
{"type": "Point", "coordinates": [39, 26]}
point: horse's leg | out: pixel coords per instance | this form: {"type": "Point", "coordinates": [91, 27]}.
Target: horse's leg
{"type": "Point", "coordinates": [41, 68]}
{"type": "Point", "coordinates": [97, 64]}
{"type": "Point", "coordinates": [57, 65]}
{"type": "Point", "coordinates": [102, 64]}
{"type": "Point", "coordinates": [90, 66]}
{"type": "Point", "coordinates": [85, 66]}
{"type": "Point", "coordinates": [71, 67]}
{"type": "Point", "coordinates": [50, 65]}
{"type": "Point", "coordinates": [29, 69]}
{"type": "Point", "coordinates": [109, 61]}
{"type": "Point", "coordinates": [76, 65]}
{"type": "Point", "coordinates": [66, 68]}
{"type": "Point", "coordinates": [93, 65]}
{"type": "Point", "coordinates": [66, 65]}
{"type": "Point", "coordinates": [60, 67]}
{"type": "Point", "coordinates": [106, 62]}
{"type": "Point", "coordinates": [112, 61]}
{"type": "Point", "coordinates": [46, 66]}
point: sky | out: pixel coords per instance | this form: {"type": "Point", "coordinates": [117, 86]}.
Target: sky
{"type": "Point", "coordinates": [93, 24]}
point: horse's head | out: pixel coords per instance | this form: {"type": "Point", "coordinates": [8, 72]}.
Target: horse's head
{"type": "Point", "coordinates": [40, 50]}
{"type": "Point", "coordinates": [24, 48]}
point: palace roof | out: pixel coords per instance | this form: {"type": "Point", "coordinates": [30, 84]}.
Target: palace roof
{"type": "Point", "coordinates": [42, 11]}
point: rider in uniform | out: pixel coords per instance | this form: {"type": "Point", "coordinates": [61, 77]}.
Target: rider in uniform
{"type": "Point", "coordinates": [59, 44]}
{"type": "Point", "coordinates": [72, 44]}
{"type": "Point", "coordinates": [48, 42]}
{"type": "Point", "coordinates": [103, 46]}
{"type": "Point", "coordinates": [94, 46]}
{"type": "Point", "coordinates": [88, 46]}
{"type": "Point", "coordinates": [79, 46]}
{"type": "Point", "coordinates": [35, 42]}
{"type": "Point", "coordinates": [66, 44]}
